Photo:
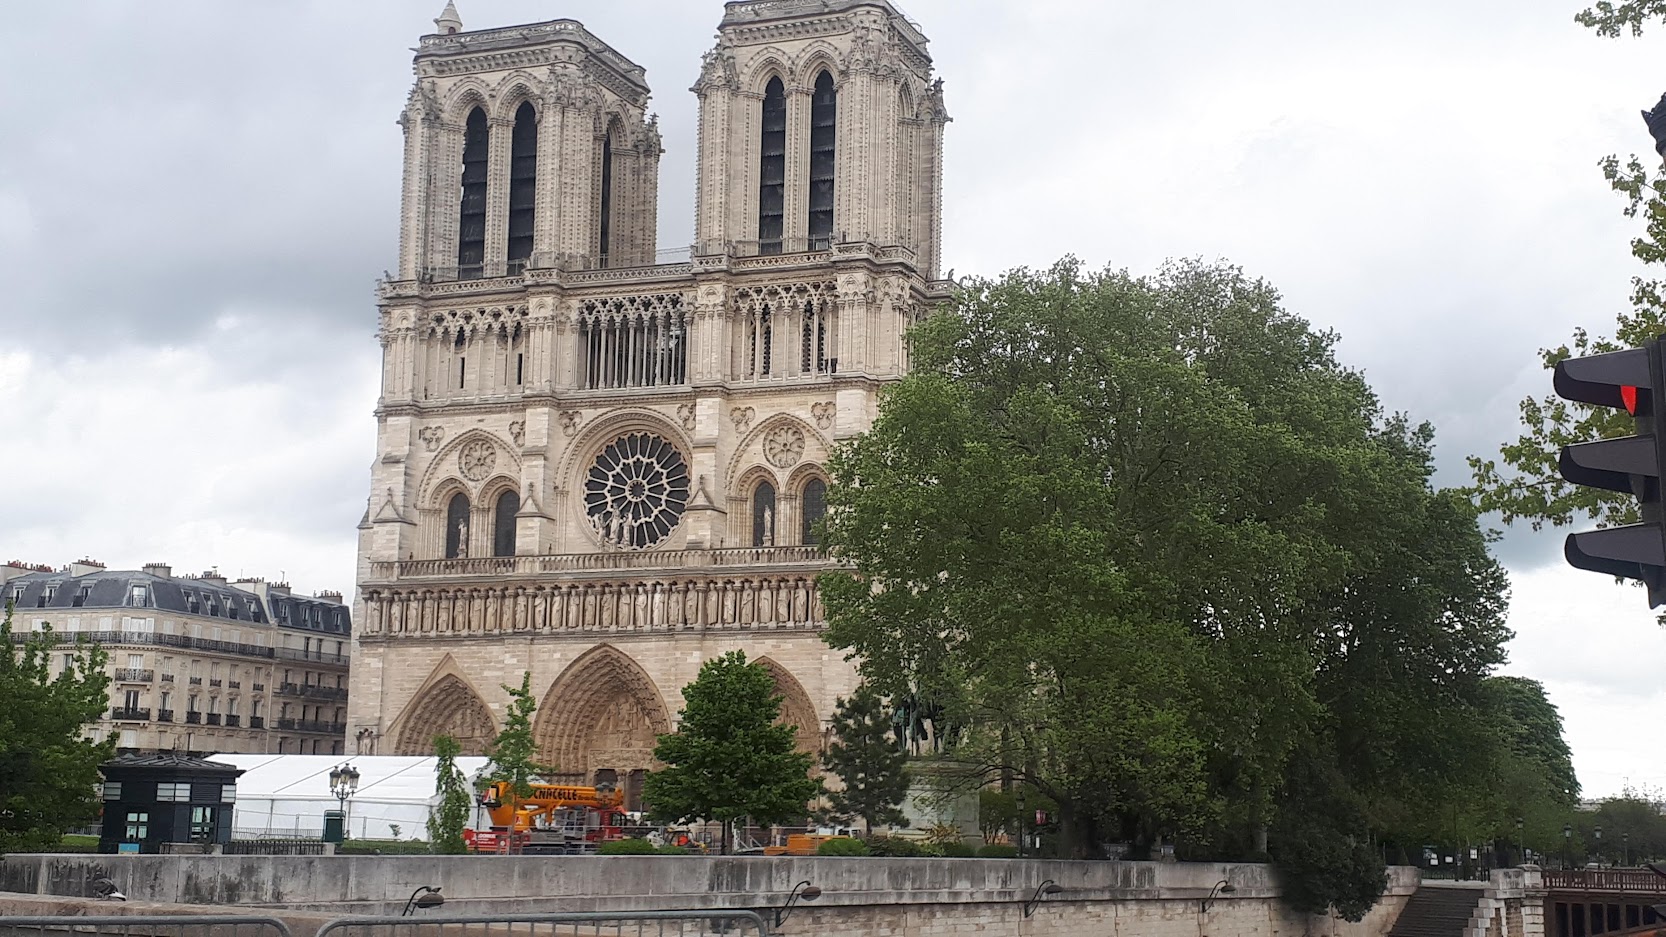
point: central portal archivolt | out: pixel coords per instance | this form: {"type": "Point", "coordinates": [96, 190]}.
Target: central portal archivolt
{"type": "Point", "coordinates": [599, 722]}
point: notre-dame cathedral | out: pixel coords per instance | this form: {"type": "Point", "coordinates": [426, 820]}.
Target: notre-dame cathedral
{"type": "Point", "coordinates": [605, 464]}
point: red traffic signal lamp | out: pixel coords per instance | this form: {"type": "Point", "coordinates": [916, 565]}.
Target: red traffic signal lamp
{"type": "Point", "coordinates": [1632, 380]}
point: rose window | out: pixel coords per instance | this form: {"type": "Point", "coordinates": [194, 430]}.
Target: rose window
{"type": "Point", "coordinates": [636, 490]}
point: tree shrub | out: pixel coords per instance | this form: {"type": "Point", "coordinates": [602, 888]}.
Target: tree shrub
{"type": "Point", "coordinates": [997, 851]}
{"type": "Point", "coordinates": [670, 850]}
{"type": "Point", "coordinates": [957, 850]}
{"type": "Point", "coordinates": [895, 847]}
{"type": "Point", "coordinates": [627, 847]}
{"type": "Point", "coordinates": [382, 847]}
{"type": "Point", "coordinates": [842, 847]}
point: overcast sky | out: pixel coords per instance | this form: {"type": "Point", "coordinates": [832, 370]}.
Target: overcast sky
{"type": "Point", "coordinates": [196, 197]}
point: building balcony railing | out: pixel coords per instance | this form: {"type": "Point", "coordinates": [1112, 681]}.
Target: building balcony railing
{"type": "Point", "coordinates": [313, 725]}
{"type": "Point", "coordinates": [234, 684]}
{"type": "Point", "coordinates": [313, 691]}
{"type": "Point", "coordinates": [286, 724]}
{"type": "Point", "coordinates": [232, 721]}
{"type": "Point", "coordinates": [791, 557]}
{"type": "Point", "coordinates": [134, 675]}
{"type": "Point", "coordinates": [164, 715]}
{"type": "Point", "coordinates": [258, 687]}
{"type": "Point", "coordinates": [214, 681]}
{"type": "Point", "coordinates": [213, 719]}
{"type": "Point", "coordinates": [167, 678]}
{"type": "Point", "coordinates": [130, 714]}
{"type": "Point", "coordinates": [152, 639]}
{"type": "Point", "coordinates": [257, 722]}
{"type": "Point", "coordinates": [193, 718]}
{"type": "Point", "coordinates": [196, 681]}
{"type": "Point", "coordinates": [314, 656]}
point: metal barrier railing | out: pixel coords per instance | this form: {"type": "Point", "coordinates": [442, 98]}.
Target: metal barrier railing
{"type": "Point", "coordinates": [144, 925]}
{"type": "Point", "coordinates": [574, 924]}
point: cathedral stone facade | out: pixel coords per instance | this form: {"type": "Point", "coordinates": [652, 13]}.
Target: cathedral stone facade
{"type": "Point", "coordinates": [601, 463]}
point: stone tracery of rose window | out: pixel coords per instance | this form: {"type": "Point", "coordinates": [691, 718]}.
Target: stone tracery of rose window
{"type": "Point", "coordinates": [635, 491]}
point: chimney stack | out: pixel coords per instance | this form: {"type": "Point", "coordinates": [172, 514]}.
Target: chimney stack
{"type": "Point", "coordinates": [159, 570]}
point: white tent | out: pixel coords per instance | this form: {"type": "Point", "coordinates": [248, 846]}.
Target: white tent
{"type": "Point", "coordinates": [286, 795]}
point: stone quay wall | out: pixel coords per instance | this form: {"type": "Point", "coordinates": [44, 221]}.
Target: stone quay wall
{"type": "Point", "coordinates": [866, 897]}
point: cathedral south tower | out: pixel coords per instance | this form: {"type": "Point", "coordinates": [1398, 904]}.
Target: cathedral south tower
{"type": "Point", "coordinates": [602, 463]}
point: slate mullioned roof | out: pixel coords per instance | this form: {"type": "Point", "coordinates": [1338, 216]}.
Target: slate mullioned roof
{"type": "Point", "coordinates": [113, 588]}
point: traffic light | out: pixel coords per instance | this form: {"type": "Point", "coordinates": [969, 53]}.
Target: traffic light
{"type": "Point", "coordinates": [1621, 379]}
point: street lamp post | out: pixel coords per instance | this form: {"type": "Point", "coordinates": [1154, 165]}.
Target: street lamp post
{"type": "Point", "coordinates": [1599, 847]}
{"type": "Point", "coordinates": [1521, 842]}
{"type": "Point", "coordinates": [1625, 848]}
{"type": "Point", "coordinates": [1567, 837]}
{"type": "Point", "coordinates": [344, 780]}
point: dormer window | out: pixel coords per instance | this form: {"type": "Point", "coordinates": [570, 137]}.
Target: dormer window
{"type": "Point", "coordinates": [138, 596]}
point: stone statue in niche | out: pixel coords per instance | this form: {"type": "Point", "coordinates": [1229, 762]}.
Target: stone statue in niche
{"type": "Point", "coordinates": [769, 527]}
{"type": "Point", "coordinates": [462, 538]}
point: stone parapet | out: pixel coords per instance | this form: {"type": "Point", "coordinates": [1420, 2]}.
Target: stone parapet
{"type": "Point", "coordinates": [859, 896]}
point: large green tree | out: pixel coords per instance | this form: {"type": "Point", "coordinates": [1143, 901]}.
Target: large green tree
{"type": "Point", "coordinates": [1151, 543]}
{"type": "Point", "coordinates": [867, 761]}
{"type": "Point", "coordinates": [48, 765]}
{"type": "Point", "coordinates": [728, 758]}
{"type": "Point", "coordinates": [1523, 482]}
{"type": "Point", "coordinates": [447, 820]}
{"type": "Point", "coordinates": [514, 753]}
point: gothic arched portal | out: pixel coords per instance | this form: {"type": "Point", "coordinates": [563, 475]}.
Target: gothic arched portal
{"type": "Point", "coordinates": [447, 707]}
{"type": "Point", "coordinates": [796, 709]}
{"type": "Point", "coordinates": [602, 715]}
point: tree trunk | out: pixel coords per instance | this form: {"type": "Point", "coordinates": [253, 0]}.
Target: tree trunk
{"type": "Point", "coordinates": [723, 847]}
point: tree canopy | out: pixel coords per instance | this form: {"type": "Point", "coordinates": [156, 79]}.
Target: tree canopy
{"type": "Point", "coordinates": [728, 758]}
{"type": "Point", "coordinates": [1169, 562]}
{"type": "Point", "coordinates": [1528, 486]}
{"type": "Point", "coordinates": [868, 762]}
{"type": "Point", "coordinates": [447, 820]}
{"type": "Point", "coordinates": [48, 765]}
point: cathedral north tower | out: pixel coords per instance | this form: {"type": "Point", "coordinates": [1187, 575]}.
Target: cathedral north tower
{"type": "Point", "coordinates": [605, 464]}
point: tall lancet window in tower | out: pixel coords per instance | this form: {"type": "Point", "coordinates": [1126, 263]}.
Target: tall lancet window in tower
{"type": "Point", "coordinates": [523, 185]}
{"type": "Point", "coordinates": [503, 524]}
{"type": "Point", "coordinates": [607, 198]}
{"type": "Point", "coordinates": [772, 169]}
{"type": "Point", "coordinates": [457, 526]}
{"type": "Point", "coordinates": [824, 112]}
{"type": "Point", "coordinates": [471, 227]}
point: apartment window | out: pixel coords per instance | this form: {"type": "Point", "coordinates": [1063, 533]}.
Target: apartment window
{"type": "Point", "coordinates": [130, 700]}
{"type": "Point", "coordinates": [135, 662]}
{"type": "Point", "coordinates": [46, 596]}
{"type": "Point", "coordinates": [129, 739]}
{"type": "Point", "coordinates": [81, 596]}
{"type": "Point", "coordinates": [203, 821]}
{"type": "Point", "coordinates": [173, 792]}
{"type": "Point", "coordinates": [166, 698]}
{"type": "Point", "coordinates": [138, 826]}
{"type": "Point", "coordinates": [191, 704]}
{"type": "Point", "coordinates": [254, 708]}
{"type": "Point", "coordinates": [228, 793]}
{"type": "Point", "coordinates": [138, 596]}
{"type": "Point", "coordinates": [112, 790]}
{"type": "Point", "coordinates": [69, 661]}
{"type": "Point", "coordinates": [231, 706]}
{"type": "Point", "coordinates": [75, 623]}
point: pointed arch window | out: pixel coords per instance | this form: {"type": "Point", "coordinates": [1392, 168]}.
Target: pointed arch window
{"type": "Point", "coordinates": [824, 113]}
{"type": "Point", "coordinates": [605, 232]}
{"type": "Point", "coordinates": [772, 169]}
{"type": "Point", "coordinates": [457, 526]}
{"type": "Point", "coordinates": [813, 507]}
{"type": "Point", "coordinates": [763, 515]}
{"type": "Point", "coordinates": [471, 223]}
{"type": "Point", "coordinates": [523, 185]}
{"type": "Point", "coordinates": [503, 524]}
